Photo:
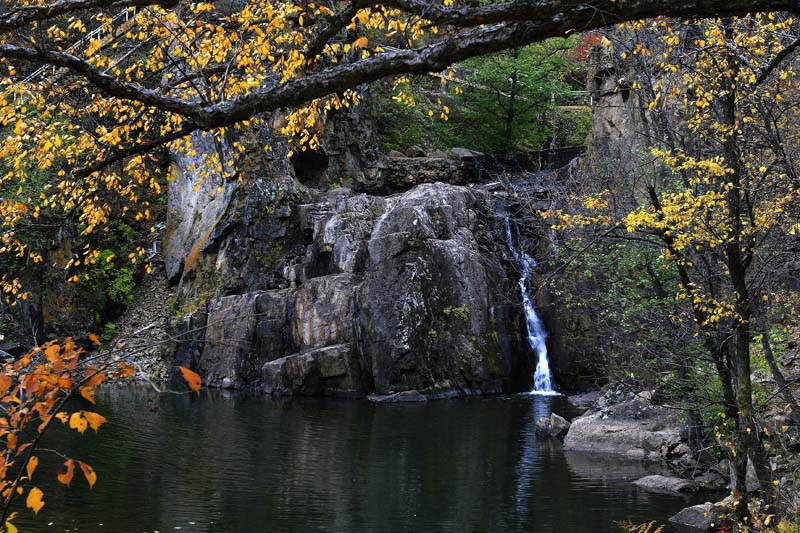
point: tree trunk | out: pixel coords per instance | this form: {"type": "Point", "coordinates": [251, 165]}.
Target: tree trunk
{"type": "Point", "coordinates": [783, 387]}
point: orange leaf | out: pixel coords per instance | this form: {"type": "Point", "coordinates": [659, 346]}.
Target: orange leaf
{"type": "Point", "coordinates": [95, 380]}
{"type": "Point", "coordinates": [33, 462]}
{"type": "Point", "coordinates": [88, 393]}
{"type": "Point", "coordinates": [95, 420]}
{"type": "Point", "coordinates": [62, 416]}
{"type": "Point", "coordinates": [77, 422]}
{"type": "Point", "coordinates": [361, 42]}
{"type": "Point", "coordinates": [125, 370]}
{"type": "Point", "coordinates": [51, 352]}
{"type": "Point", "coordinates": [66, 477]}
{"type": "Point", "coordinates": [34, 500]}
{"type": "Point", "coordinates": [12, 441]}
{"type": "Point", "coordinates": [94, 338]}
{"type": "Point", "coordinates": [5, 383]}
{"type": "Point", "coordinates": [89, 473]}
{"type": "Point", "coordinates": [192, 379]}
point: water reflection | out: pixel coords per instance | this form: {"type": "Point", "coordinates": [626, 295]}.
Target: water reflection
{"type": "Point", "coordinates": [236, 463]}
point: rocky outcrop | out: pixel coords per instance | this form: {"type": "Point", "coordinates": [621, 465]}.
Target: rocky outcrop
{"type": "Point", "coordinates": [400, 294]}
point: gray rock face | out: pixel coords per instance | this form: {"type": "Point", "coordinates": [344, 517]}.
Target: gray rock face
{"type": "Point", "coordinates": [243, 332]}
{"type": "Point", "coordinates": [633, 428]}
{"type": "Point", "coordinates": [552, 426]}
{"type": "Point", "coordinates": [666, 484]}
{"type": "Point", "coordinates": [394, 294]}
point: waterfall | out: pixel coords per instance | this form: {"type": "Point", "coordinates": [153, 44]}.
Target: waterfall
{"type": "Point", "coordinates": [537, 335]}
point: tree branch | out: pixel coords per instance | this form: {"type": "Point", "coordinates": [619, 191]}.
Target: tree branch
{"type": "Point", "coordinates": [22, 16]}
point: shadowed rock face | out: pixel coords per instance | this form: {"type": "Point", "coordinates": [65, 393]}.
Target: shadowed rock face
{"type": "Point", "coordinates": [399, 293]}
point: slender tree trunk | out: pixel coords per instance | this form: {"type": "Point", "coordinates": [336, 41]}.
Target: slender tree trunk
{"type": "Point", "coordinates": [783, 386]}
{"type": "Point", "coordinates": [512, 110]}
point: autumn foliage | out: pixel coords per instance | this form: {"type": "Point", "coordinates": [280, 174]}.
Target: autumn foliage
{"type": "Point", "coordinates": [36, 392]}
{"type": "Point", "coordinates": [41, 389]}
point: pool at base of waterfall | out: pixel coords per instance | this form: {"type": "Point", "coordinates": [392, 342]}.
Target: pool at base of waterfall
{"type": "Point", "coordinates": [226, 462]}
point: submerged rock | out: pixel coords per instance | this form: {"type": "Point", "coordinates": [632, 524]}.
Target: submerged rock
{"type": "Point", "coordinates": [553, 426]}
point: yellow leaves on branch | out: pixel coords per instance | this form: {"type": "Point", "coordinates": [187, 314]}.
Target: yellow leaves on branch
{"type": "Point", "coordinates": [198, 53]}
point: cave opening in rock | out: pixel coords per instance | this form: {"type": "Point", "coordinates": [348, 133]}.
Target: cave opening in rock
{"type": "Point", "coordinates": [310, 167]}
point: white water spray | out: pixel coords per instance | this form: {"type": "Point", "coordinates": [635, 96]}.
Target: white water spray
{"type": "Point", "coordinates": [537, 335]}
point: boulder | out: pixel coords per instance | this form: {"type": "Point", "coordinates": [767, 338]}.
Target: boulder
{"type": "Point", "coordinates": [552, 426]}
{"type": "Point", "coordinates": [698, 518]}
{"type": "Point", "coordinates": [634, 428]}
{"type": "Point", "coordinates": [395, 153]}
{"type": "Point", "coordinates": [666, 484]}
{"type": "Point", "coordinates": [464, 153]}
{"type": "Point", "coordinates": [416, 151]}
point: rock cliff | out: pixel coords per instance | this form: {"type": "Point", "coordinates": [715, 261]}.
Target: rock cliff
{"type": "Point", "coordinates": [291, 282]}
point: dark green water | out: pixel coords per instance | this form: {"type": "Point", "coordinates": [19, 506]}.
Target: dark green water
{"type": "Point", "coordinates": [235, 463]}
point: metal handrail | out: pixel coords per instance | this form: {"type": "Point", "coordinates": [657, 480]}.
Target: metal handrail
{"type": "Point", "coordinates": [124, 14]}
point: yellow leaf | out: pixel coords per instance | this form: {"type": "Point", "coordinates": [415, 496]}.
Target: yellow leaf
{"type": "Point", "coordinates": [89, 473]}
{"type": "Point", "coordinates": [66, 477]}
{"type": "Point", "coordinates": [34, 500]}
{"type": "Point", "coordinates": [33, 462]}
{"type": "Point", "coordinates": [94, 338]}
{"type": "Point", "coordinates": [192, 379]}
{"type": "Point", "coordinates": [361, 42]}
{"type": "Point", "coordinates": [95, 420]}
{"type": "Point", "coordinates": [77, 422]}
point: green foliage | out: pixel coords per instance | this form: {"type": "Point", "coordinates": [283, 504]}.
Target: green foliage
{"type": "Point", "coordinates": [516, 97]}
{"type": "Point", "coordinates": [109, 330]}
{"type": "Point", "coordinates": [461, 313]}
{"type": "Point", "coordinates": [513, 96]}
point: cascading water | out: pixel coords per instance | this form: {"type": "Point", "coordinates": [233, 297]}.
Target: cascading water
{"type": "Point", "coordinates": [537, 335]}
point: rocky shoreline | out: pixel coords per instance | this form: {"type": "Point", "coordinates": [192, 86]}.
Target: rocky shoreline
{"type": "Point", "coordinates": [619, 422]}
